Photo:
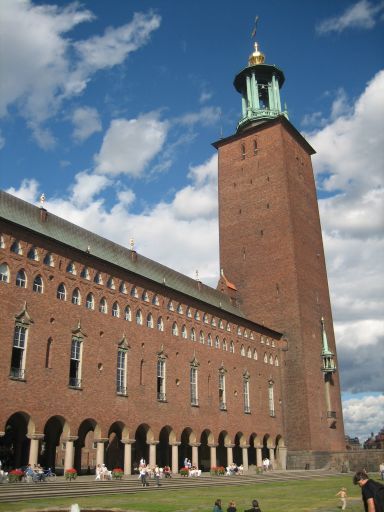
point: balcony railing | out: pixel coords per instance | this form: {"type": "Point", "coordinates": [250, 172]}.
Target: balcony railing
{"type": "Point", "coordinates": [74, 382]}
{"type": "Point", "coordinates": [17, 373]}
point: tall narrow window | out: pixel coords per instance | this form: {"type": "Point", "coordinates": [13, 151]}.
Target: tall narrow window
{"type": "Point", "coordinates": [75, 363]}
{"type": "Point", "coordinates": [111, 283]}
{"type": "Point", "coordinates": [271, 399]}
{"type": "Point", "coordinates": [2, 243]}
{"type": "Point", "coordinates": [85, 273]}
{"type": "Point", "coordinates": [134, 292]}
{"type": "Point", "coordinates": [71, 269]}
{"type": "Point", "coordinates": [217, 342]}
{"type": "Point", "coordinates": [184, 333]}
{"type": "Point", "coordinates": [255, 147]}
{"type": "Point", "coordinates": [209, 340]}
{"type": "Point", "coordinates": [116, 310]}
{"type": "Point", "coordinates": [18, 352]}
{"type": "Point", "coordinates": [21, 279]}
{"type": "Point", "coordinates": [61, 293]}
{"type": "Point", "coordinates": [123, 287]}
{"type": "Point", "coordinates": [175, 329]}
{"type": "Point", "coordinates": [98, 279]}
{"type": "Point", "coordinates": [38, 284]}
{"type": "Point", "coordinates": [121, 373]}
{"type": "Point", "coordinates": [201, 337]}
{"type": "Point", "coordinates": [193, 334]}
{"type": "Point", "coordinates": [242, 350]}
{"type": "Point", "coordinates": [127, 314]}
{"type": "Point", "coordinates": [139, 317]}
{"type": "Point", "coordinates": [76, 297]}
{"type": "Point", "coordinates": [150, 321]}
{"type": "Point", "coordinates": [33, 254]}
{"type": "Point", "coordinates": [247, 405]}
{"type": "Point", "coordinates": [155, 300]}
{"type": "Point", "coordinates": [171, 307]}
{"type": "Point", "coordinates": [232, 347]}
{"type": "Point", "coordinates": [145, 296]}
{"type": "Point", "coordinates": [189, 312]}
{"type": "Point", "coordinates": [222, 393]}
{"type": "Point", "coordinates": [242, 151]}
{"type": "Point", "coordinates": [90, 301]}
{"type": "Point", "coordinates": [180, 309]}
{"type": "Point", "coordinates": [160, 324]}
{"type": "Point", "coordinates": [225, 347]}
{"type": "Point", "coordinates": [48, 260]}
{"type": "Point", "coordinates": [16, 248]}
{"type": "Point", "coordinates": [161, 396]}
{"type": "Point", "coordinates": [4, 273]}
{"type": "Point", "coordinates": [193, 375]}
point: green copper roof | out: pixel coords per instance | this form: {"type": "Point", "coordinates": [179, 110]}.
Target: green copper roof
{"type": "Point", "coordinates": [28, 216]}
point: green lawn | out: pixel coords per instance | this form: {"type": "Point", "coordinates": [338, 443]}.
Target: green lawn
{"type": "Point", "coordinates": [296, 496]}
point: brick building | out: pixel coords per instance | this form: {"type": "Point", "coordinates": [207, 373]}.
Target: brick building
{"type": "Point", "coordinates": [107, 356]}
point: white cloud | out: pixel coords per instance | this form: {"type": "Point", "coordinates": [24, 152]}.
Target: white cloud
{"type": "Point", "coordinates": [28, 191]}
{"type": "Point", "coordinates": [86, 186]}
{"type": "Point", "coordinates": [130, 144]}
{"type": "Point", "coordinates": [40, 70]}
{"type": "Point", "coordinates": [363, 416]}
{"type": "Point", "coordinates": [361, 15]}
{"type": "Point", "coordinates": [2, 141]}
{"type": "Point", "coordinates": [86, 122]}
{"type": "Point", "coordinates": [205, 116]}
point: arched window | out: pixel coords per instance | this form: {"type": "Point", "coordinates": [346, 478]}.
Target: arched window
{"type": "Point", "coordinates": [193, 383]}
{"type": "Point", "coordinates": [209, 340]}
{"type": "Point", "coordinates": [189, 312]}
{"type": "Point", "coordinates": [139, 317]}
{"type": "Point", "coordinates": [16, 248]}
{"type": "Point", "coordinates": [193, 334]}
{"type": "Point", "coordinates": [85, 273]}
{"type": "Point", "coordinates": [103, 306]}
{"type": "Point", "coordinates": [271, 398]}
{"type": "Point", "coordinates": [4, 273]}
{"type": "Point", "coordinates": [71, 268]}
{"type": "Point", "coordinates": [33, 254]}
{"type": "Point", "coordinates": [160, 324]}
{"type": "Point", "coordinates": [180, 309]}
{"type": "Point", "coordinates": [213, 321]}
{"type": "Point", "coordinates": [249, 353]}
{"type": "Point", "coordinates": [155, 300]}
{"type": "Point", "coordinates": [246, 402]}
{"type": "Point", "coordinates": [201, 337]}
{"type": "Point", "coordinates": [98, 279]}
{"type": "Point", "coordinates": [175, 330]}
{"type": "Point", "coordinates": [276, 361]}
{"type": "Point", "coordinates": [121, 371]}
{"type": "Point", "coordinates": [111, 283]}
{"type": "Point", "coordinates": [48, 260]}
{"type": "Point", "coordinates": [225, 347]}
{"type": "Point", "coordinates": [217, 342]}
{"type": "Point", "coordinates": [116, 310]}
{"type": "Point", "coordinates": [255, 355]}
{"type": "Point", "coordinates": [61, 293]}
{"type": "Point", "coordinates": [161, 396]}
{"type": "Point", "coordinates": [76, 297]}
{"type": "Point", "coordinates": [150, 321]}
{"type": "Point", "coordinates": [184, 333]}
{"type": "Point", "coordinates": [197, 315]}
{"type": "Point", "coordinates": [18, 359]}
{"type": "Point", "coordinates": [251, 336]}
{"type": "Point", "coordinates": [222, 390]}
{"type": "Point", "coordinates": [228, 327]}
{"type": "Point", "coordinates": [265, 358]}
{"type": "Point", "coordinates": [75, 362]}
{"type": "Point", "coordinates": [270, 359]}
{"type": "Point", "coordinates": [21, 279]}
{"type": "Point", "coordinates": [134, 292]}
{"type": "Point", "coordinates": [245, 333]}
{"type": "Point", "coordinates": [127, 314]}
{"type": "Point", "coordinates": [242, 350]}
{"type": "Point", "coordinates": [221, 324]}
{"type": "Point", "coordinates": [205, 318]}
{"type": "Point", "coordinates": [123, 288]}
{"type": "Point", "coordinates": [232, 347]}
{"type": "Point", "coordinates": [145, 296]}
{"type": "Point", "coordinates": [171, 307]}
{"type": "Point", "coordinates": [90, 301]}
{"type": "Point", "coordinates": [239, 331]}
{"type": "Point", "coordinates": [38, 284]}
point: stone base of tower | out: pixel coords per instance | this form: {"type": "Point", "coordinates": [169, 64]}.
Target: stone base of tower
{"type": "Point", "coordinates": [343, 461]}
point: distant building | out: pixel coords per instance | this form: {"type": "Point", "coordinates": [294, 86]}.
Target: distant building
{"type": "Point", "coordinates": [375, 442]}
{"type": "Point", "coordinates": [107, 356]}
{"type": "Point", "coordinates": [352, 443]}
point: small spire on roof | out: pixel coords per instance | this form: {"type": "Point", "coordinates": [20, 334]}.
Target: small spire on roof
{"type": "Point", "coordinates": [42, 200]}
{"type": "Point", "coordinates": [197, 275]}
{"type": "Point", "coordinates": [132, 244]}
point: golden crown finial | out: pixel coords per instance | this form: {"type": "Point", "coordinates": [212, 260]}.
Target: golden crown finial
{"type": "Point", "coordinates": [257, 57]}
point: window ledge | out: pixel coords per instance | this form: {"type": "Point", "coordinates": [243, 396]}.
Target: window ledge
{"type": "Point", "coordinates": [77, 388]}
{"type": "Point", "coordinates": [20, 379]}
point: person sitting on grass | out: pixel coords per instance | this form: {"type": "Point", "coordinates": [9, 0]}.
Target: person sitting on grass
{"type": "Point", "coordinates": [217, 506]}
{"type": "Point", "coordinates": [255, 507]}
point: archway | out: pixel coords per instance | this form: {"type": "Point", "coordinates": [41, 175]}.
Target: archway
{"type": "Point", "coordinates": [237, 449]}
{"type": "Point", "coordinates": [280, 453]}
{"type": "Point", "coordinates": [265, 447]}
{"type": "Point", "coordinates": [252, 460]}
{"type": "Point", "coordinates": [206, 439]}
{"type": "Point", "coordinates": [85, 449]}
{"type": "Point", "coordinates": [14, 445]}
{"type": "Point", "coordinates": [185, 451]}
{"type": "Point", "coordinates": [53, 431]}
{"type": "Point", "coordinates": [114, 452]}
{"type": "Point", "coordinates": [140, 449]}
{"type": "Point", "coordinates": [164, 449]}
{"type": "Point", "coordinates": [221, 453]}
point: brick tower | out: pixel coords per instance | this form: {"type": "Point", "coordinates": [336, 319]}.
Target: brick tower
{"type": "Point", "coordinates": [271, 248]}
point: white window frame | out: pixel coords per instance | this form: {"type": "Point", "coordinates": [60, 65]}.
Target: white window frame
{"type": "Point", "coordinates": [76, 297]}
{"type": "Point", "coordinates": [193, 380]}
{"type": "Point", "coordinates": [222, 390]}
{"type": "Point", "coordinates": [61, 292]}
{"type": "Point", "coordinates": [75, 362]}
{"type": "Point", "coordinates": [271, 398]}
{"type": "Point", "coordinates": [4, 273]}
{"type": "Point", "coordinates": [121, 371]}
{"type": "Point", "coordinates": [21, 278]}
{"type": "Point", "coordinates": [161, 379]}
{"type": "Point", "coordinates": [19, 351]}
{"type": "Point", "coordinates": [38, 287]}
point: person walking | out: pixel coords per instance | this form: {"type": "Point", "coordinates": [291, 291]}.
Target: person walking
{"type": "Point", "coordinates": [143, 476]}
{"type": "Point", "coordinates": [372, 492]}
{"type": "Point", "coordinates": [255, 507]}
{"type": "Point", "coordinates": [342, 494]}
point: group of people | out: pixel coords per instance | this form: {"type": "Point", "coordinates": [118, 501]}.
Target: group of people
{"type": "Point", "coordinates": [232, 507]}
{"type": "Point", "coordinates": [157, 473]}
{"type": "Point", "coordinates": [234, 469]}
{"type": "Point", "coordinates": [103, 473]}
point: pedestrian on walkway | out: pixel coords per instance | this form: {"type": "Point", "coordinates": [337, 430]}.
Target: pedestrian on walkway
{"type": "Point", "coordinates": [342, 494]}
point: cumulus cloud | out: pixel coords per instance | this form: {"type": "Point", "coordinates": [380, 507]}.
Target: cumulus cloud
{"type": "Point", "coordinates": [362, 15]}
{"type": "Point", "coordinates": [43, 67]}
{"type": "Point", "coordinates": [205, 116]}
{"type": "Point", "coordinates": [87, 186]}
{"type": "Point", "coordinates": [86, 122]}
{"type": "Point", "coordinates": [364, 415]}
{"type": "Point", "coordinates": [130, 144]}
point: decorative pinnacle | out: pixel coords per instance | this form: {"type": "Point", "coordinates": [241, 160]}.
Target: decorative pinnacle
{"type": "Point", "coordinates": [42, 200]}
{"type": "Point", "coordinates": [197, 275]}
{"type": "Point", "coordinates": [132, 244]}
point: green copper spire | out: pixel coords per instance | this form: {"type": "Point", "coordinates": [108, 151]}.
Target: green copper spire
{"type": "Point", "coordinates": [328, 363]}
{"type": "Point", "coordinates": [259, 85]}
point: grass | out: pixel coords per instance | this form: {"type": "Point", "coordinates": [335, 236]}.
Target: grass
{"type": "Point", "coordinates": [294, 496]}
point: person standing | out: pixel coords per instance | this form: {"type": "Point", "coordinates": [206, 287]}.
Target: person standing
{"type": "Point", "coordinates": [343, 497]}
{"type": "Point", "coordinates": [143, 476]}
{"type": "Point", "coordinates": [372, 493]}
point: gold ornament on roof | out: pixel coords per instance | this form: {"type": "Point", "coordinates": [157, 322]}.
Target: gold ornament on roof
{"type": "Point", "coordinates": [257, 57]}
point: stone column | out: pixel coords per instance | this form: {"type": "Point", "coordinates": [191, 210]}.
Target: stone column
{"type": "Point", "coordinates": [128, 455]}
{"type": "Point", "coordinates": [212, 448]}
{"type": "Point", "coordinates": [34, 447]}
{"type": "Point", "coordinates": [229, 448]}
{"type": "Point", "coordinates": [282, 457]}
{"type": "Point", "coordinates": [69, 452]}
{"type": "Point", "coordinates": [100, 450]}
{"type": "Point", "coordinates": [245, 456]}
{"type": "Point", "coordinates": [259, 457]}
{"type": "Point", "coordinates": [272, 457]}
{"type": "Point", "coordinates": [175, 457]}
{"type": "Point", "coordinates": [152, 453]}
{"type": "Point", "coordinates": [195, 454]}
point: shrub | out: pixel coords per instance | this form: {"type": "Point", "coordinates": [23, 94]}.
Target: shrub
{"type": "Point", "coordinates": [117, 473]}
{"type": "Point", "coordinates": [184, 471]}
{"type": "Point", "coordinates": [15, 475]}
{"type": "Point", "coordinates": [70, 474]}
{"type": "Point", "coordinates": [218, 470]}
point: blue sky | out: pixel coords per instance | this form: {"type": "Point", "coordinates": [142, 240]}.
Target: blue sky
{"type": "Point", "coordinates": [110, 108]}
